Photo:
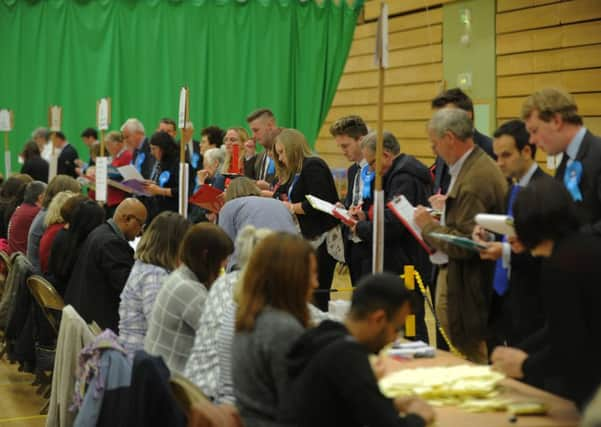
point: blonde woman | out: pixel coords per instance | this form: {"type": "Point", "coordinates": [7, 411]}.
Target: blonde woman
{"type": "Point", "coordinates": [156, 256]}
{"type": "Point", "coordinates": [234, 136]}
{"type": "Point", "coordinates": [306, 174]}
{"type": "Point", "coordinates": [53, 223]}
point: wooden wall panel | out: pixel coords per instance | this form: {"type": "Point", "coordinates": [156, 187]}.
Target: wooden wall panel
{"type": "Point", "coordinates": [413, 78]}
{"type": "Point", "coordinates": [549, 44]}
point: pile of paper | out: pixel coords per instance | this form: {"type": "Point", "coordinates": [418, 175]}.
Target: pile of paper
{"type": "Point", "coordinates": [453, 385]}
{"type": "Point", "coordinates": [412, 349]}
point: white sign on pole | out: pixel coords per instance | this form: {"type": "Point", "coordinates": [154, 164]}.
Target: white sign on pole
{"type": "Point", "coordinates": [6, 120]}
{"type": "Point", "coordinates": [101, 178]}
{"type": "Point", "coordinates": [7, 165]}
{"type": "Point", "coordinates": [183, 188]}
{"type": "Point", "coordinates": [381, 53]}
{"type": "Point", "coordinates": [103, 113]}
{"type": "Point", "coordinates": [183, 105]}
{"type": "Point", "coordinates": [55, 118]}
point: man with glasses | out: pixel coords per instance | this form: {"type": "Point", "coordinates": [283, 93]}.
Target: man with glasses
{"type": "Point", "coordinates": [103, 266]}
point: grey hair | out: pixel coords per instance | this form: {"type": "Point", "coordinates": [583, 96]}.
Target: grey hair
{"type": "Point", "coordinates": [215, 154]}
{"type": "Point", "coordinates": [246, 241]}
{"type": "Point", "coordinates": [133, 125]}
{"type": "Point", "coordinates": [40, 132]}
{"type": "Point", "coordinates": [33, 190]}
{"type": "Point", "coordinates": [452, 120]}
{"type": "Point", "coordinates": [391, 144]}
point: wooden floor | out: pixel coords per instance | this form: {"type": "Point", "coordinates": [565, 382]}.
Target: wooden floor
{"type": "Point", "coordinates": [19, 404]}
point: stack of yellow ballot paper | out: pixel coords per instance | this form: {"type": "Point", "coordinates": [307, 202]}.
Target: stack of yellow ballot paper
{"type": "Point", "coordinates": [475, 388]}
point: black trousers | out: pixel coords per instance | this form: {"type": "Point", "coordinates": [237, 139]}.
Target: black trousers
{"type": "Point", "coordinates": [326, 265]}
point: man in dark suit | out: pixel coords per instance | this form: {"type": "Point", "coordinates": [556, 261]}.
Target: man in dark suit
{"type": "Point", "coordinates": [517, 309]}
{"type": "Point", "coordinates": [66, 162]}
{"type": "Point", "coordinates": [262, 122]}
{"type": "Point", "coordinates": [104, 264]}
{"type": "Point", "coordinates": [134, 138]}
{"type": "Point", "coordinates": [552, 119]}
{"type": "Point", "coordinates": [348, 132]}
{"type": "Point", "coordinates": [456, 98]}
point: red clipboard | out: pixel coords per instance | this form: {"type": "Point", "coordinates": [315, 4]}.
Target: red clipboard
{"type": "Point", "coordinates": [209, 198]}
{"type": "Point", "coordinates": [417, 235]}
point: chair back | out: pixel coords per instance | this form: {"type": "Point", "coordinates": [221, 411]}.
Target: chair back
{"type": "Point", "coordinates": [47, 298]}
{"type": "Point", "coordinates": [5, 264]}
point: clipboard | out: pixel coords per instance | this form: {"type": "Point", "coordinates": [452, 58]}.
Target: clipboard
{"type": "Point", "coordinates": [462, 242]}
{"type": "Point", "coordinates": [323, 206]}
{"type": "Point", "coordinates": [404, 210]}
{"type": "Point", "coordinates": [209, 198]}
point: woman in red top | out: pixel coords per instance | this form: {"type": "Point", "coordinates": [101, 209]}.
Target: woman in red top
{"type": "Point", "coordinates": [121, 157]}
{"type": "Point", "coordinates": [53, 222]}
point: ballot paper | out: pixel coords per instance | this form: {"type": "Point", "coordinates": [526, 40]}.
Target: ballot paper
{"type": "Point", "coordinates": [331, 209]}
{"type": "Point", "coordinates": [500, 224]}
{"type": "Point", "coordinates": [132, 181]}
{"type": "Point", "coordinates": [450, 385]}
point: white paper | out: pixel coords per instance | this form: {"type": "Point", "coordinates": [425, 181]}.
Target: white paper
{"type": "Point", "coordinates": [183, 188]}
{"type": "Point", "coordinates": [381, 53]}
{"type": "Point", "coordinates": [7, 163]}
{"type": "Point", "coordinates": [103, 114]}
{"type": "Point", "coordinates": [406, 210]}
{"type": "Point", "coordinates": [183, 94]}
{"type": "Point", "coordinates": [56, 116]}
{"type": "Point", "coordinates": [327, 207]}
{"type": "Point", "coordinates": [500, 224]}
{"type": "Point", "coordinates": [130, 172]}
{"type": "Point", "coordinates": [101, 178]}
{"type": "Point", "coordinates": [5, 121]}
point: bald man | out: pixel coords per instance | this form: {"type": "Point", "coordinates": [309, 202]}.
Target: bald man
{"type": "Point", "coordinates": [103, 265]}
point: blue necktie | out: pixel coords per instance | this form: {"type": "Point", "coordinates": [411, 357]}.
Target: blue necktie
{"type": "Point", "coordinates": [501, 278]}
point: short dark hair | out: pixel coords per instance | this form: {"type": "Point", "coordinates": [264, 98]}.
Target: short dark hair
{"type": "Point", "coordinates": [204, 247]}
{"type": "Point", "coordinates": [60, 135]}
{"type": "Point", "coordinates": [167, 145]}
{"type": "Point", "coordinates": [261, 112]}
{"type": "Point", "coordinates": [517, 130]}
{"type": "Point", "coordinates": [352, 126]}
{"type": "Point", "coordinates": [544, 210]}
{"type": "Point", "coordinates": [90, 132]}
{"type": "Point", "coordinates": [381, 291]}
{"type": "Point", "coordinates": [454, 96]}
{"type": "Point", "coordinates": [214, 134]}
{"type": "Point", "coordinates": [168, 121]}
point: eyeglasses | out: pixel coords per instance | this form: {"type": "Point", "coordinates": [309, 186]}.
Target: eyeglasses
{"type": "Point", "coordinates": [141, 223]}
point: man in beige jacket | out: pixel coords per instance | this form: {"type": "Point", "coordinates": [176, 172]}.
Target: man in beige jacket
{"type": "Point", "coordinates": [464, 284]}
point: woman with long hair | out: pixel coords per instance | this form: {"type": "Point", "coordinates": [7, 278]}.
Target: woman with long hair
{"type": "Point", "coordinates": [180, 302]}
{"type": "Point", "coordinates": [165, 176]}
{"type": "Point", "coordinates": [33, 163]}
{"type": "Point", "coordinates": [156, 257]}
{"type": "Point", "coordinates": [276, 286]}
{"type": "Point", "coordinates": [306, 174]}
{"type": "Point", "coordinates": [85, 218]}
{"type": "Point", "coordinates": [53, 223]}
{"type": "Point", "coordinates": [12, 193]}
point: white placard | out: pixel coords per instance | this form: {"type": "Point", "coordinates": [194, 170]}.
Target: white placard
{"type": "Point", "coordinates": [7, 163]}
{"type": "Point", "coordinates": [101, 178]}
{"type": "Point", "coordinates": [6, 120]}
{"type": "Point", "coordinates": [183, 103]}
{"type": "Point", "coordinates": [381, 52]}
{"type": "Point", "coordinates": [103, 114]}
{"type": "Point", "coordinates": [183, 188]}
{"type": "Point", "coordinates": [55, 118]}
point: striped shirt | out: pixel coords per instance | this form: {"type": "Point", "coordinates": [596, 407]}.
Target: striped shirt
{"type": "Point", "coordinates": [203, 367]}
{"type": "Point", "coordinates": [137, 299]}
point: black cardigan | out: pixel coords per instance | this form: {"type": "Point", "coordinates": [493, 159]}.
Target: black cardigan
{"type": "Point", "coordinates": [316, 179]}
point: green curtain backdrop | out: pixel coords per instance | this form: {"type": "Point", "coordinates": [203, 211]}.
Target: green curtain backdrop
{"type": "Point", "coordinates": [287, 55]}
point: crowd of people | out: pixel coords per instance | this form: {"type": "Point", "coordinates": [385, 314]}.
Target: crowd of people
{"type": "Point", "coordinates": [236, 300]}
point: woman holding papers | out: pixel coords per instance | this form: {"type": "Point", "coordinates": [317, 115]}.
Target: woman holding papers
{"type": "Point", "coordinates": [212, 165]}
{"type": "Point", "coordinates": [568, 348]}
{"type": "Point", "coordinates": [121, 157]}
{"type": "Point", "coordinates": [165, 176]}
{"type": "Point", "coordinates": [307, 174]}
